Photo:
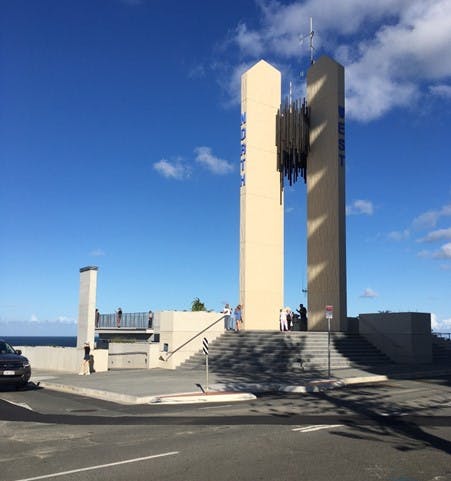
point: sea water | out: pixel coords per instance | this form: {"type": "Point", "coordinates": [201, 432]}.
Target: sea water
{"type": "Point", "coordinates": [60, 341]}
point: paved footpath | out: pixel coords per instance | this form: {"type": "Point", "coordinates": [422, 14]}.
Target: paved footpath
{"type": "Point", "coordinates": [161, 386]}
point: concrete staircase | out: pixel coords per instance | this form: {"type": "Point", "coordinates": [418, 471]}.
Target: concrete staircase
{"type": "Point", "coordinates": [279, 353]}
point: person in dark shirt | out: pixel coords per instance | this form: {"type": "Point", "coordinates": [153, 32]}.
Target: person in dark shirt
{"type": "Point", "coordinates": [84, 368]}
{"type": "Point", "coordinates": [119, 316]}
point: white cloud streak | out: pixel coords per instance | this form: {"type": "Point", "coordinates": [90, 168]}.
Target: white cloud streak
{"type": "Point", "coordinates": [172, 169]}
{"type": "Point", "coordinates": [444, 252]}
{"type": "Point", "coordinates": [369, 293]}
{"type": "Point", "coordinates": [441, 91]}
{"type": "Point", "coordinates": [429, 219]}
{"type": "Point", "coordinates": [97, 253]}
{"type": "Point", "coordinates": [215, 165]}
{"type": "Point", "coordinates": [399, 235]}
{"type": "Point", "coordinates": [440, 325]}
{"type": "Point", "coordinates": [359, 207]}
{"type": "Point", "coordinates": [437, 235]}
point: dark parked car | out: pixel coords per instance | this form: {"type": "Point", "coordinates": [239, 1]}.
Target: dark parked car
{"type": "Point", "coordinates": [14, 368]}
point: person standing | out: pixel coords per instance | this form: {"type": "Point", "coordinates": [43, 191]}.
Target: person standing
{"type": "Point", "coordinates": [283, 320]}
{"type": "Point", "coordinates": [227, 311]}
{"type": "Point", "coordinates": [303, 317]}
{"type": "Point", "coordinates": [289, 318]}
{"type": "Point", "coordinates": [118, 316]}
{"type": "Point", "coordinates": [97, 318]}
{"type": "Point", "coordinates": [232, 324]}
{"type": "Point", "coordinates": [84, 368]}
{"type": "Point", "coordinates": [238, 317]}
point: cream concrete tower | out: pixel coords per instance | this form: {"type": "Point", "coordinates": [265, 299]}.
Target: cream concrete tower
{"type": "Point", "coordinates": [326, 227]}
{"type": "Point", "coordinates": [261, 200]}
{"type": "Point", "coordinates": [87, 306]}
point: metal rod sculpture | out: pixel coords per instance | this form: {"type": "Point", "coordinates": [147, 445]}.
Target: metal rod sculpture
{"type": "Point", "coordinates": [292, 139]}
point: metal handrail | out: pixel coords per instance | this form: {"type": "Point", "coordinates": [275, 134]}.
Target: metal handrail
{"type": "Point", "coordinates": [442, 335]}
{"type": "Point", "coordinates": [171, 353]}
{"type": "Point", "coordinates": [133, 320]}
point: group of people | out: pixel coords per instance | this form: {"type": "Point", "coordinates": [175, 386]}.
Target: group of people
{"type": "Point", "coordinates": [233, 319]}
{"type": "Point", "coordinates": [287, 318]}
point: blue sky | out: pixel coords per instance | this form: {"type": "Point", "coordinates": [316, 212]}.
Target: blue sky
{"type": "Point", "coordinates": [119, 126]}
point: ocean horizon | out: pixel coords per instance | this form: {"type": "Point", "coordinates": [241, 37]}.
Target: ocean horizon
{"type": "Point", "coordinates": [60, 341]}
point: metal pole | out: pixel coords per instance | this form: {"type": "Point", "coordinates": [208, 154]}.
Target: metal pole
{"type": "Point", "coordinates": [206, 366]}
{"type": "Point", "coordinates": [328, 346]}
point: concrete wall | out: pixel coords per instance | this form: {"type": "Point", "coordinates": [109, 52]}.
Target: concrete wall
{"type": "Point", "coordinates": [176, 328]}
{"type": "Point", "coordinates": [261, 200]}
{"type": "Point", "coordinates": [67, 359]}
{"type": "Point", "coordinates": [133, 355]}
{"type": "Point", "coordinates": [403, 336]}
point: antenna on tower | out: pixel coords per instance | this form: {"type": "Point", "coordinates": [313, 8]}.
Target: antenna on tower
{"type": "Point", "coordinates": [290, 97]}
{"type": "Point", "coordinates": [310, 37]}
{"type": "Point", "coordinates": [311, 41]}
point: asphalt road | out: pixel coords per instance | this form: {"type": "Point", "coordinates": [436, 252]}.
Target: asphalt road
{"type": "Point", "coordinates": [398, 431]}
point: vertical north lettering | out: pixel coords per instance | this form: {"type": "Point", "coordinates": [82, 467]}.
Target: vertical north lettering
{"type": "Point", "coordinates": [243, 150]}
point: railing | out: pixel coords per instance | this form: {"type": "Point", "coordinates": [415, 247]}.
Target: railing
{"type": "Point", "coordinates": [129, 320]}
{"type": "Point", "coordinates": [171, 353]}
{"type": "Point", "coordinates": [443, 335]}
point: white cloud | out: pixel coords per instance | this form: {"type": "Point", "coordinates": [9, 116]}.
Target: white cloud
{"type": "Point", "coordinates": [230, 83]}
{"type": "Point", "coordinates": [426, 220]}
{"type": "Point", "coordinates": [391, 48]}
{"type": "Point", "coordinates": [399, 235]}
{"type": "Point", "coordinates": [172, 170]}
{"type": "Point", "coordinates": [97, 253]}
{"type": "Point", "coordinates": [440, 325]}
{"type": "Point", "coordinates": [212, 163]}
{"type": "Point", "coordinates": [66, 320]}
{"type": "Point", "coordinates": [437, 235]}
{"type": "Point", "coordinates": [369, 293]}
{"type": "Point", "coordinates": [360, 207]}
{"type": "Point", "coordinates": [249, 42]}
{"type": "Point", "coordinates": [441, 90]}
{"type": "Point", "coordinates": [444, 252]}
{"type": "Point", "coordinates": [429, 219]}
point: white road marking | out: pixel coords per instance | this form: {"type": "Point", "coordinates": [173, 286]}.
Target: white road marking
{"type": "Point", "coordinates": [21, 405]}
{"type": "Point", "coordinates": [217, 407]}
{"type": "Point", "coordinates": [100, 466]}
{"type": "Point", "coordinates": [316, 427]}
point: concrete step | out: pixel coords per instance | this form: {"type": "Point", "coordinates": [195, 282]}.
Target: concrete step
{"type": "Point", "coordinates": [265, 352]}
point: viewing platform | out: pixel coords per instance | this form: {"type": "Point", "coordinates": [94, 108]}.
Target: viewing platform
{"type": "Point", "coordinates": [133, 326]}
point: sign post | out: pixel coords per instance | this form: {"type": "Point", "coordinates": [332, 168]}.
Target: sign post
{"type": "Point", "coordinates": [329, 316]}
{"type": "Point", "coordinates": [205, 349]}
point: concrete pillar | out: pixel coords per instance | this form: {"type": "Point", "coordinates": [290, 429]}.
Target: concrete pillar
{"type": "Point", "coordinates": [326, 226]}
{"type": "Point", "coordinates": [261, 200]}
{"type": "Point", "coordinates": [87, 306]}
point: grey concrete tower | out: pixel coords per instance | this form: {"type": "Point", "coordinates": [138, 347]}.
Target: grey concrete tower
{"type": "Point", "coordinates": [87, 306]}
{"type": "Point", "coordinates": [326, 221]}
